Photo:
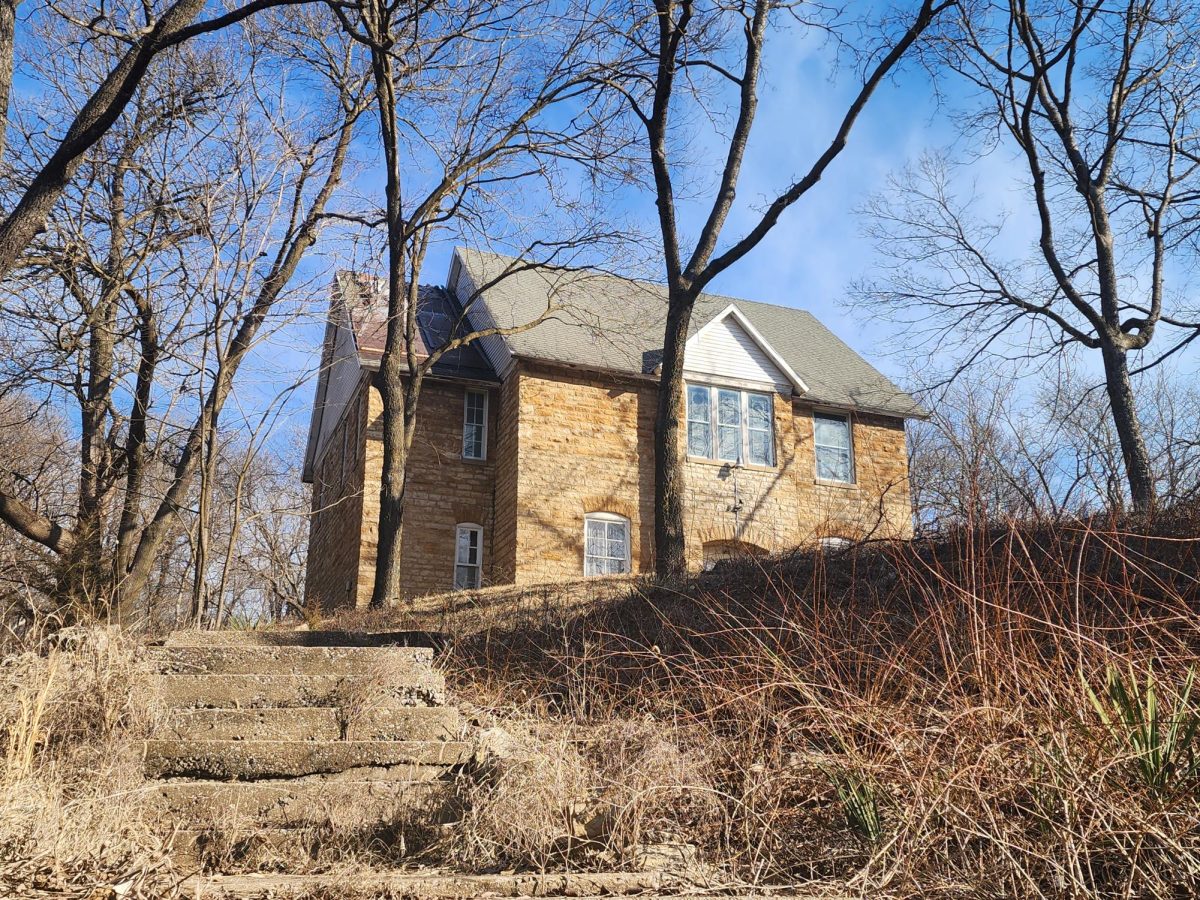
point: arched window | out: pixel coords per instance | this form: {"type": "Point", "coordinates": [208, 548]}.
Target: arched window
{"type": "Point", "coordinates": [468, 556]}
{"type": "Point", "coordinates": [605, 544]}
{"type": "Point", "coordinates": [718, 551]}
{"type": "Point", "coordinates": [835, 542]}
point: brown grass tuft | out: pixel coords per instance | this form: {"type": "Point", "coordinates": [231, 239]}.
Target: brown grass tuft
{"type": "Point", "coordinates": [74, 811]}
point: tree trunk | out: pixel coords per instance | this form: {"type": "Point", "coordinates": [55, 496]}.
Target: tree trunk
{"type": "Point", "coordinates": [397, 345]}
{"type": "Point", "coordinates": [8, 31]}
{"type": "Point", "coordinates": [135, 444]}
{"type": "Point", "coordinates": [386, 590]}
{"type": "Point", "coordinates": [670, 560]}
{"type": "Point", "coordinates": [84, 580]}
{"type": "Point", "coordinates": [1129, 429]}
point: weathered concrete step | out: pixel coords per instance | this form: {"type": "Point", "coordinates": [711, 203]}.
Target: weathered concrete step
{"type": "Point", "coordinates": [411, 772]}
{"type": "Point", "coordinates": [254, 638]}
{"type": "Point", "coordinates": [293, 803]}
{"type": "Point", "coordinates": [189, 846]}
{"type": "Point", "coordinates": [373, 662]}
{"type": "Point", "coordinates": [417, 688]}
{"type": "Point", "coordinates": [314, 723]}
{"type": "Point", "coordinates": [284, 759]}
{"type": "Point", "coordinates": [431, 885]}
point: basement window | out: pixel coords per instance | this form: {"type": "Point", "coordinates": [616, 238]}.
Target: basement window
{"type": "Point", "coordinates": [468, 556]}
{"type": "Point", "coordinates": [605, 544]}
{"type": "Point", "coordinates": [474, 444]}
{"type": "Point", "coordinates": [729, 425]}
{"type": "Point", "coordinates": [833, 447]}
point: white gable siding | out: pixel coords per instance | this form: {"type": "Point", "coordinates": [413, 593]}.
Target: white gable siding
{"type": "Point", "coordinates": [725, 350]}
{"type": "Point", "coordinates": [342, 378]}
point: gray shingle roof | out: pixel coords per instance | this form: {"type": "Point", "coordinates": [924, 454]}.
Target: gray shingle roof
{"type": "Point", "coordinates": [606, 322]}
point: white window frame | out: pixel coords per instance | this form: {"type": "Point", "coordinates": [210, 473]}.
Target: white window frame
{"type": "Point", "coordinates": [477, 530]}
{"type": "Point", "coordinates": [714, 441]}
{"type": "Point", "coordinates": [608, 518]}
{"type": "Point", "coordinates": [467, 394]}
{"type": "Point", "coordinates": [845, 417]}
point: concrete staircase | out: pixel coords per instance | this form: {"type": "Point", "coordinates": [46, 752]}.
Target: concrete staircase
{"type": "Point", "coordinates": [264, 735]}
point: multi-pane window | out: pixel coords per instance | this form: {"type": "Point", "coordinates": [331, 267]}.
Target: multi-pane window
{"type": "Point", "coordinates": [730, 425]}
{"type": "Point", "coordinates": [699, 421]}
{"type": "Point", "coordinates": [468, 556]}
{"type": "Point", "coordinates": [605, 544]}
{"type": "Point", "coordinates": [833, 448]}
{"type": "Point", "coordinates": [475, 425]}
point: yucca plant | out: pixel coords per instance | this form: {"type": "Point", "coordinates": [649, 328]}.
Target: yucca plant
{"type": "Point", "coordinates": [859, 796]}
{"type": "Point", "coordinates": [1163, 747]}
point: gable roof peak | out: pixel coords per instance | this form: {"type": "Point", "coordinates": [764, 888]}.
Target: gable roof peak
{"type": "Point", "coordinates": [612, 323]}
{"type": "Point", "coordinates": [732, 312]}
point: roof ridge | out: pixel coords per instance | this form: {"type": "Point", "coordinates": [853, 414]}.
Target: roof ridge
{"type": "Point", "coordinates": [612, 322]}
{"type": "Point", "coordinates": [645, 282]}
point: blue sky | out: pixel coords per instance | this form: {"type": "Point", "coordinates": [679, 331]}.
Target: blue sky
{"type": "Point", "coordinates": [810, 258]}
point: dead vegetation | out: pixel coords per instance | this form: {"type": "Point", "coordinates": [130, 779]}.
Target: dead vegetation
{"type": "Point", "coordinates": [995, 712]}
{"type": "Point", "coordinates": [74, 805]}
{"type": "Point", "coordinates": [1002, 712]}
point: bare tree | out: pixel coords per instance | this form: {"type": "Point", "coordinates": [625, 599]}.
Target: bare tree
{"type": "Point", "coordinates": [685, 51]}
{"type": "Point", "coordinates": [151, 286]}
{"type": "Point", "coordinates": [1010, 447]}
{"type": "Point", "coordinates": [38, 465]}
{"type": "Point", "coordinates": [1100, 105]}
{"type": "Point", "coordinates": [141, 33]}
{"type": "Point", "coordinates": [497, 70]}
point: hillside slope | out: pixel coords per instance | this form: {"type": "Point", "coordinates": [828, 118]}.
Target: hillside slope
{"type": "Point", "coordinates": [986, 713]}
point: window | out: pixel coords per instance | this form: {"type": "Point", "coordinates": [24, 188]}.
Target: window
{"type": "Point", "coordinates": [475, 425]}
{"type": "Point", "coordinates": [834, 543]}
{"type": "Point", "coordinates": [716, 552]}
{"type": "Point", "coordinates": [468, 556]}
{"type": "Point", "coordinates": [605, 544]}
{"type": "Point", "coordinates": [831, 440]}
{"type": "Point", "coordinates": [730, 425]}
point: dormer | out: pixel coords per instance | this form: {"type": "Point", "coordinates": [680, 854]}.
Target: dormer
{"type": "Point", "coordinates": [730, 350]}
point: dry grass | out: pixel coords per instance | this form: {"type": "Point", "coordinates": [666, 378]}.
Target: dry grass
{"type": "Point", "coordinates": [74, 805]}
{"type": "Point", "coordinates": [910, 719]}
{"type": "Point", "coordinates": [967, 716]}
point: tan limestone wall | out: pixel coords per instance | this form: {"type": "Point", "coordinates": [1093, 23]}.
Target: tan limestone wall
{"type": "Point", "coordinates": [562, 444]}
{"type": "Point", "coordinates": [751, 504]}
{"type": "Point", "coordinates": [443, 490]}
{"type": "Point", "coordinates": [331, 578]}
{"type": "Point", "coordinates": [877, 504]}
{"type": "Point", "coordinates": [584, 445]}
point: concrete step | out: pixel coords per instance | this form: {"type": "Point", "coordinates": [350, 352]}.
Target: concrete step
{"type": "Point", "coordinates": [249, 760]}
{"type": "Point", "coordinates": [435, 884]}
{"type": "Point", "coordinates": [250, 846]}
{"type": "Point", "coordinates": [357, 662]}
{"type": "Point", "coordinates": [263, 638]}
{"type": "Point", "coordinates": [418, 687]}
{"type": "Point", "coordinates": [295, 803]}
{"type": "Point", "coordinates": [413, 772]}
{"type": "Point", "coordinates": [314, 723]}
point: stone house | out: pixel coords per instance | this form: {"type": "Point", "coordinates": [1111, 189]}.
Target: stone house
{"type": "Point", "coordinates": [533, 459]}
